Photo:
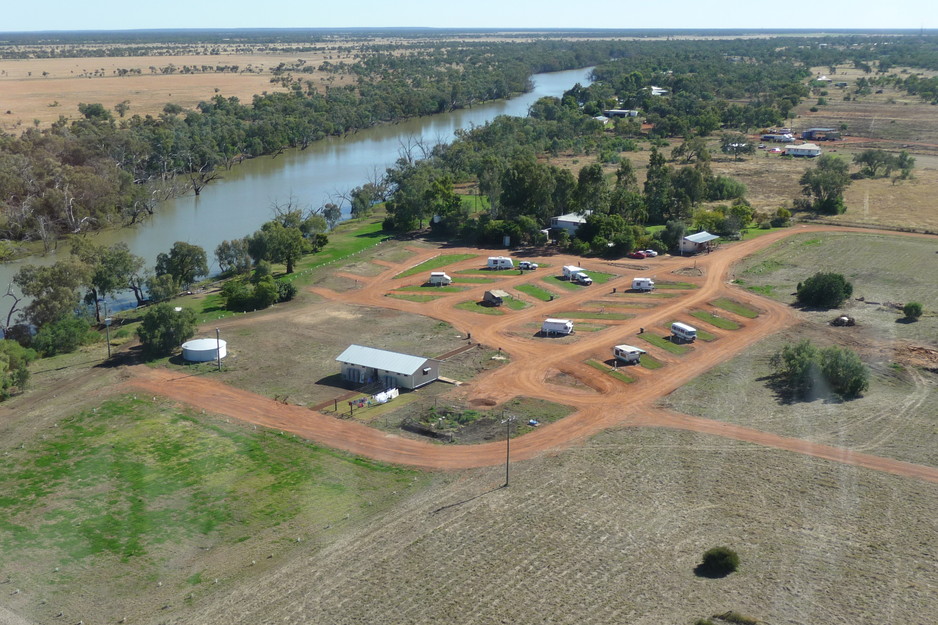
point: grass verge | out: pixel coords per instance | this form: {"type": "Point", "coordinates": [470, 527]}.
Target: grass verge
{"type": "Point", "coordinates": [435, 263]}
{"type": "Point", "coordinates": [478, 307]}
{"type": "Point", "coordinates": [714, 320]}
{"type": "Point", "coordinates": [536, 292]}
{"type": "Point", "coordinates": [613, 372]}
{"type": "Point", "coordinates": [650, 362]}
{"type": "Point", "coordinates": [663, 343]}
{"type": "Point", "coordinates": [413, 297]}
{"type": "Point", "coordinates": [735, 307]}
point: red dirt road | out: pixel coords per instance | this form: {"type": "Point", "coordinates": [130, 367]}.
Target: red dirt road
{"type": "Point", "coordinates": [606, 403]}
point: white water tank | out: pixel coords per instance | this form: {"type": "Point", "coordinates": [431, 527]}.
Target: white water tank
{"type": "Point", "coordinates": [204, 350]}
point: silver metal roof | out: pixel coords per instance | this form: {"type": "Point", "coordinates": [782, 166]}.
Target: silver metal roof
{"type": "Point", "coordinates": [361, 356]}
{"type": "Point", "coordinates": [701, 237]}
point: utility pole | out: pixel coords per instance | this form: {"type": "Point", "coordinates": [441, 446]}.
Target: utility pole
{"type": "Point", "coordinates": [218, 347]}
{"type": "Point", "coordinates": [507, 447]}
{"type": "Point", "coordinates": [107, 328]}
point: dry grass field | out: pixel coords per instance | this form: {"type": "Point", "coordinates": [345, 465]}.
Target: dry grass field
{"type": "Point", "coordinates": [30, 95]}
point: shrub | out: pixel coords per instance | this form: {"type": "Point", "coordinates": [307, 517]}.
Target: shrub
{"type": "Point", "coordinates": [824, 290]}
{"type": "Point", "coordinates": [63, 336]}
{"type": "Point", "coordinates": [912, 310]}
{"type": "Point", "coordinates": [286, 291]}
{"type": "Point", "coordinates": [164, 329]}
{"type": "Point", "coordinates": [718, 562]}
{"type": "Point", "coordinates": [804, 371]}
{"type": "Point", "coordinates": [14, 367]}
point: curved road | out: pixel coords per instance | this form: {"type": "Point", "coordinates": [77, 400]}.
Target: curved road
{"type": "Point", "coordinates": [605, 403]}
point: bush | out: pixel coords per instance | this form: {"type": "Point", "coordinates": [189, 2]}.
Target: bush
{"type": "Point", "coordinates": [912, 310]}
{"type": "Point", "coordinates": [164, 329]}
{"type": "Point", "coordinates": [718, 562]}
{"type": "Point", "coordinates": [806, 372]}
{"type": "Point", "coordinates": [824, 290]}
{"type": "Point", "coordinates": [14, 367]}
{"type": "Point", "coordinates": [63, 336]}
{"type": "Point", "coordinates": [286, 291]}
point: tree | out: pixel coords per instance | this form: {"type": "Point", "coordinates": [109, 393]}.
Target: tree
{"type": "Point", "coordinates": [164, 329]}
{"type": "Point", "coordinates": [184, 262]}
{"type": "Point", "coordinates": [111, 269]}
{"type": "Point", "coordinates": [693, 149]}
{"type": "Point", "coordinates": [162, 288]}
{"type": "Point", "coordinates": [805, 372]}
{"type": "Point", "coordinates": [592, 192]}
{"type": "Point", "coordinates": [824, 290]}
{"type": "Point", "coordinates": [825, 183]}
{"type": "Point", "coordinates": [736, 143]}
{"type": "Point", "coordinates": [233, 256]}
{"type": "Point", "coordinates": [277, 243]}
{"type": "Point", "coordinates": [718, 562]}
{"type": "Point", "coordinates": [55, 290]}
{"type": "Point", "coordinates": [658, 189]}
{"type": "Point", "coordinates": [64, 336]}
{"type": "Point", "coordinates": [14, 367]}
{"type": "Point", "coordinates": [875, 163]}
{"type": "Point", "coordinates": [912, 310]}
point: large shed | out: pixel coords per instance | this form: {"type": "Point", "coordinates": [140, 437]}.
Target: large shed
{"type": "Point", "coordinates": [362, 365]}
{"type": "Point", "coordinates": [696, 243]}
{"type": "Point", "coordinates": [495, 297]}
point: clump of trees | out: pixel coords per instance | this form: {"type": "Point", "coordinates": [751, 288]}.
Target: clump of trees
{"type": "Point", "coordinates": [14, 367]}
{"type": "Point", "coordinates": [823, 186]}
{"type": "Point", "coordinates": [875, 163]}
{"type": "Point", "coordinates": [805, 371]}
{"type": "Point", "coordinates": [824, 290]}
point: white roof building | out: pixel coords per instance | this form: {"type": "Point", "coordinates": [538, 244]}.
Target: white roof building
{"type": "Point", "coordinates": [693, 243]}
{"type": "Point", "coordinates": [363, 365]}
{"type": "Point", "coordinates": [569, 222]}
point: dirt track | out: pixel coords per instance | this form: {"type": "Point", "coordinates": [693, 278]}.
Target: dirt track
{"type": "Point", "coordinates": [610, 403]}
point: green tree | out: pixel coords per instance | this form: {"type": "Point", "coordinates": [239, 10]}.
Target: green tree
{"type": "Point", "coordinates": [875, 163]}
{"type": "Point", "coordinates": [55, 290]}
{"type": "Point", "coordinates": [912, 310]}
{"type": "Point", "coordinates": [824, 290]}
{"type": "Point", "coordinates": [736, 143]}
{"type": "Point", "coordinates": [277, 243]}
{"type": "Point", "coordinates": [718, 562]}
{"type": "Point", "coordinates": [185, 262]}
{"type": "Point", "coordinates": [164, 329]}
{"type": "Point", "coordinates": [162, 288]}
{"type": "Point", "coordinates": [824, 185]}
{"type": "Point", "coordinates": [658, 189]}
{"type": "Point", "coordinates": [804, 371]}
{"type": "Point", "coordinates": [64, 336]}
{"type": "Point", "coordinates": [111, 269]}
{"type": "Point", "coordinates": [14, 367]}
{"type": "Point", "coordinates": [592, 192]}
{"type": "Point", "coordinates": [233, 256]}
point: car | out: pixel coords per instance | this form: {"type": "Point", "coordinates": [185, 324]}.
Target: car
{"type": "Point", "coordinates": [775, 150]}
{"type": "Point", "coordinates": [637, 254]}
{"type": "Point", "coordinates": [526, 264]}
{"type": "Point", "coordinates": [650, 253]}
{"type": "Point", "coordinates": [761, 146]}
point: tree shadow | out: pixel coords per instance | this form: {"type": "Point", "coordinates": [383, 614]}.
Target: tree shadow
{"type": "Point", "coordinates": [702, 570]}
{"type": "Point", "coordinates": [906, 320]}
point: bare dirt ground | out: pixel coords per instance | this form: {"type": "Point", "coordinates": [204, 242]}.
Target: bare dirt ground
{"type": "Point", "coordinates": [606, 403]}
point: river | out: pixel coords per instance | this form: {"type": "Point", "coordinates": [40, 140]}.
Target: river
{"type": "Point", "coordinates": [237, 205]}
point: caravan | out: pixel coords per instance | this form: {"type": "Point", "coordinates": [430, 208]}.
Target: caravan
{"type": "Point", "coordinates": [643, 284]}
{"type": "Point", "coordinates": [557, 326]}
{"type": "Point", "coordinates": [627, 353]}
{"type": "Point", "coordinates": [439, 278]}
{"type": "Point", "coordinates": [683, 332]}
{"type": "Point", "coordinates": [576, 274]}
{"type": "Point", "coordinates": [500, 262]}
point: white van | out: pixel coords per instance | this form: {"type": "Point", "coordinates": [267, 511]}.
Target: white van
{"type": "Point", "coordinates": [683, 332]}
{"type": "Point", "coordinates": [627, 353]}
{"type": "Point", "coordinates": [500, 262]}
{"type": "Point", "coordinates": [557, 326]}
{"type": "Point", "coordinates": [439, 278]}
{"type": "Point", "coordinates": [643, 284]}
{"type": "Point", "coordinates": [576, 274]}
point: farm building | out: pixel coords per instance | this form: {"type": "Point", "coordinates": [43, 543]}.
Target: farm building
{"type": "Point", "coordinates": [621, 113]}
{"type": "Point", "coordinates": [805, 149]}
{"type": "Point", "coordinates": [362, 365]}
{"type": "Point", "coordinates": [696, 243]}
{"type": "Point", "coordinates": [495, 297]}
{"type": "Point", "coordinates": [820, 134]}
{"type": "Point", "coordinates": [569, 222]}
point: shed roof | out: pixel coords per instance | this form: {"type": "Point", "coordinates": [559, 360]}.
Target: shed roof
{"type": "Point", "coordinates": [573, 218]}
{"type": "Point", "coordinates": [498, 293]}
{"type": "Point", "coordinates": [395, 362]}
{"type": "Point", "coordinates": [701, 237]}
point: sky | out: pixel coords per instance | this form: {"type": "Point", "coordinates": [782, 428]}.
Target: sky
{"type": "Point", "coordinates": [123, 15]}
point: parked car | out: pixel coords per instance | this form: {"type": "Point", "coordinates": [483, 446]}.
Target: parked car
{"type": "Point", "coordinates": [761, 146]}
{"type": "Point", "coordinates": [637, 254]}
{"type": "Point", "coordinates": [650, 253]}
{"type": "Point", "coordinates": [775, 150]}
{"type": "Point", "coordinates": [526, 264]}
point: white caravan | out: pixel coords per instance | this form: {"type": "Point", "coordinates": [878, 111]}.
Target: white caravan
{"type": "Point", "coordinates": [643, 284]}
{"type": "Point", "coordinates": [627, 353]}
{"type": "Point", "coordinates": [557, 326]}
{"type": "Point", "coordinates": [439, 278]}
{"type": "Point", "coordinates": [500, 262]}
{"type": "Point", "coordinates": [683, 332]}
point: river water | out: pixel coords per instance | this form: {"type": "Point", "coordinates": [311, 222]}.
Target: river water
{"type": "Point", "coordinates": [237, 205]}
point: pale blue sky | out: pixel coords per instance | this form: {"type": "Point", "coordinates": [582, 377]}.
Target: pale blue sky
{"type": "Point", "coordinates": [121, 14]}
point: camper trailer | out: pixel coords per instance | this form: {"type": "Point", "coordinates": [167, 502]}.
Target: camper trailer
{"type": "Point", "coordinates": [576, 274]}
{"type": "Point", "coordinates": [627, 353]}
{"type": "Point", "coordinates": [557, 326]}
{"type": "Point", "coordinates": [439, 278]}
{"type": "Point", "coordinates": [683, 332]}
{"type": "Point", "coordinates": [500, 262]}
{"type": "Point", "coordinates": [643, 284]}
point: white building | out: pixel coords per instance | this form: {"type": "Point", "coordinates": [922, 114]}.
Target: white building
{"type": "Point", "coordinates": [362, 365]}
{"type": "Point", "coordinates": [805, 149]}
{"type": "Point", "coordinates": [569, 222]}
{"type": "Point", "coordinates": [695, 243]}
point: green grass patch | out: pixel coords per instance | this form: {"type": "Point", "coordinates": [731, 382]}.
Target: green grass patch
{"type": "Point", "coordinates": [565, 284]}
{"type": "Point", "coordinates": [413, 297]}
{"type": "Point", "coordinates": [735, 307]}
{"type": "Point", "coordinates": [613, 372]}
{"type": "Point", "coordinates": [435, 263]}
{"type": "Point", "coordinates": [134, 480]}
{"type": "Point", "coordinates": [767, 266]}
{"type": "Point", "coordinates": [478, 307]}
{"type": "Point", "coordinates": [714, 320]}
{"type": "Point", "coordinates": [650, 362]}
{"type": "Point", "coordinates": [594, 314]}
{"type": "Point", "coordinates": [589, 327]}
{"type": "Point", "coordinates": [423, 288]}
{"type": "Point", "coordinates": [600, 277]}
{"type": "Point", "coordinates": [536, 292]}
{"type": "Point", "coordinates": [515, 304]}
{"type": "Point", "coordinates": [663, 343]}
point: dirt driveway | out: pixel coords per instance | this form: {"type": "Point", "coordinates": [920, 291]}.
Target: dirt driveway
{"type": "Point", "coordinates": [607, 403]}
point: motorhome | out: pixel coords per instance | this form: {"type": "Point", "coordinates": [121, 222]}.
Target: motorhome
{"type": "Point", "coordinates": [643, 284]}
{"type": "Point", "coordinates": [683, 332]}
{"type": "Point", "coordinates": [557, 326]}
{"type": "Point", "coordinates": [439, 278]}
{"type": "Point", "coordinates": [500, 262]}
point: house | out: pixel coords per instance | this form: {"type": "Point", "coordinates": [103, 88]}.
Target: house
{"type": "Point", "coordinates": [363, 365]}
{"type": "Point", "coordinates": [658, 90]}
{"type": "Point", "coordinates": [809, 150]}
{"type": "Point", "coordinates": [621, 113]}
{"type": "Point", "coordinates": [569, 222]}
{"type": "Point", "coordinates": [696, 243]}
{"type": "Point", "coordinates": [495, 297]}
